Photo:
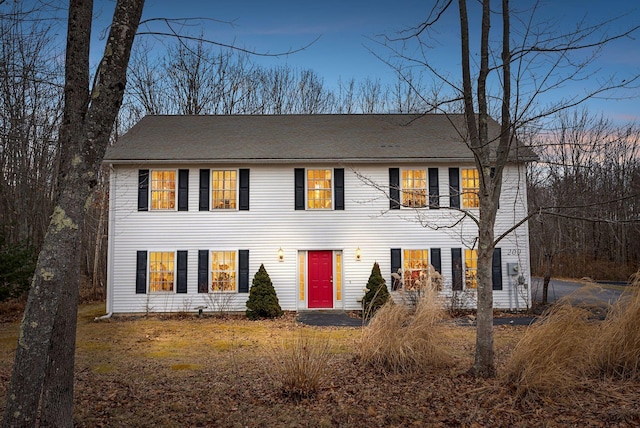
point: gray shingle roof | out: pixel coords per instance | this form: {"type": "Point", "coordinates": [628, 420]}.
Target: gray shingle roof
{"type": "Point", "coordinates": [366, 138]}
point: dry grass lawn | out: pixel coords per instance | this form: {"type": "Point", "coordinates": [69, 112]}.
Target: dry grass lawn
{"type": "Point", "coordinates": [210, 372]}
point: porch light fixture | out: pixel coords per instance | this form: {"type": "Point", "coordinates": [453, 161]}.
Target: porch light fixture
{"type": "Point", "coordinates": [358, 254]}
{"type": "Point", "coordinates": [280, 255]}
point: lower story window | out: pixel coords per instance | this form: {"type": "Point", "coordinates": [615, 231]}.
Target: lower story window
{"type": "Point", "coordinates": [223, 271]}
{"type": "Point", "coordinates": [416, 265]}
{"type": "Point", "coordinates": [161, 271]}
{"type": "Point", "coordinates": [471, 268]}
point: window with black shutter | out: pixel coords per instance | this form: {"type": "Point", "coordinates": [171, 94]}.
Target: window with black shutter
{"type": "Point", "coordinates": [338, 183]}
{"type": "Point", "coordinates": [434, 189]}
{"type": "Point", "coordinates": [243, 203]}
{"type": "Point", "coordinates": [183, 190]}
{"type": "Point", "coordinates": [454, 187]}
{"type": "Point", "coordinates": [181, 285]}
{"type": "Point", "coordinates": [396, 266]}
{"type": "Point", "coordinates": [141, 272]}
{"type": "Point", "coordinates": [143, 190]}
{"type": "Point", "coordinates": [496, 269]}
{"type": "Point", "coordinates": [394, 188]}
{"type": "Point", "coordinates": [243, 271]}
{"type": "Point", "coordinates": [203, 204]}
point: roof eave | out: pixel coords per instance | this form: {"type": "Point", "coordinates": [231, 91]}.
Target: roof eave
{"type": "Point", "coordinates": [301, 160]}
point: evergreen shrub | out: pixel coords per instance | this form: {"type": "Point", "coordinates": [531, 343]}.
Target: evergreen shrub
{"type": "Point", "coordinates": [263, 301]}
{"type": "Point", "coordinates": [17, 264]}
{"type": "Point", "coordinates": [377, 293]}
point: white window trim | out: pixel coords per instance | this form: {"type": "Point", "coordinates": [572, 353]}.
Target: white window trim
{"type": "Point", "coordinates": [462, 189]}
{"type": "Point", "coordinates": [211, 190]}
{"type": "Point", "coordinates": [306, 190]}
{"type": "Point", "coordinates": [210, 290]}
{"type": "Point", "coordinates": [175, 195]}
{"type": "Point", "coordinates": [426, 188]}
{"type": "Point", "coordinates": [175, 271]}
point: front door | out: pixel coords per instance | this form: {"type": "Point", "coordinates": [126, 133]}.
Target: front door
{"type": "Point", "coordinates": [320, 279]}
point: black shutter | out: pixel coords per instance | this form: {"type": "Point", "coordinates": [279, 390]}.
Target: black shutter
{"type": "Point", "coordinates": [143, 190]}
{"type": "Point", "coordinates": [299, 190]}
{"type": "Point", "coordinates": [496, 269]}
{"type": "Point", "coordinates": [338, 186]}
{"type": "Point", "coordinates": [436, 259]}
{"type": "Point", "coordinates": [434, 189]}
{"type": "Point", "coordinates": [203, 205]}
{"type": "Point", "coordinates": [183, 190]}
{"type": "Point", "coordinates": [141, 272]}
{"type": "Point", "coordinates": [396, 264]}
{"type": "Point", "coordinates": [394, 188]}
{"type": "Point", "coordinates": [456, 269]}
{"type": "Point", "coordinates": [454, 187]}
{"type": "Point", "coordinates": [243, 204]}
{"type": "Point", "coordinates": [181, 286]}
{"type": "Point", "coordinates": [203, 271]}
{"type": "Point", "coordinates": [243, 267]}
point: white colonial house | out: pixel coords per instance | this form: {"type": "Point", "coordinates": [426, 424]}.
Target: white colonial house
{"type": "Point", "coordinates": [198, 203]}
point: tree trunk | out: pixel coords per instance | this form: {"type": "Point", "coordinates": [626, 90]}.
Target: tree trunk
{"type": "Point", "coordinates": [483, 365]}
{"type": "Point", "coordinates": [44, 363]}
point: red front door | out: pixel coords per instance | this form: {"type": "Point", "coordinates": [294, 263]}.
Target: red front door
{"type": "Point", "coordinates": [320, 279]}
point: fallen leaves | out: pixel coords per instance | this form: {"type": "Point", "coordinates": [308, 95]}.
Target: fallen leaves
{"type": "Point", "coordinates": [165, 372]}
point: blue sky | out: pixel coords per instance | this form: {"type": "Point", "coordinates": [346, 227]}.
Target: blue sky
{"type": "Point", "coordinates": [348, 29]}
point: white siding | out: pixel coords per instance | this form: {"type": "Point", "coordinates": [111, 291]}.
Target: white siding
{"type": "Point", "coordinates": [272, 223]}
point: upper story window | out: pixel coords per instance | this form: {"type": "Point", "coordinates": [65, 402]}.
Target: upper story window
{"type": "Point", "coordinates": [224, 189]}
{"type": "Point", "coordinates": [470, 188]}
{"type": "Point", "coordinates": [414, 188]}
{"type": "Point", "coordinates": [319, 189]}
{"type": "Point", "coordinates": [163, 189]}
{"type": "Point", "coordinates": [224, 185]}
{"type": "Point", "coordinates": [471, 268]}
{"type": "Point", "coordinates": [223, 271]}
{"type": "Point", "coordinates": [161, 271]}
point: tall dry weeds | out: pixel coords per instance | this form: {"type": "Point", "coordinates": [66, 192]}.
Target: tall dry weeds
{"type": "Point", "coordinates": [617, 347]}
{"type": "Point", "coordinates": [301, 365]}
{"type": "Point", "coordinates": [399, 340]}
{"type": "Point", "coordinates": [554, 354]}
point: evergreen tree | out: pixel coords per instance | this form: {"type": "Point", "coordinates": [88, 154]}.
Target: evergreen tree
{"type": "Point", "coordinates": [377, 293]}
{"type": "Point", "coordinates": [263, 301]}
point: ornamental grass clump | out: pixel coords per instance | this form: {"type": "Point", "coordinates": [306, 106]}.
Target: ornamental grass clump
{"type": "Point", "coordinates": [263, 301]}
{"type": "Point", "coordinates": [617, 347]}
{"type": "Point", "coordinates": [400, 340]}
{"type": "Point", "coordinates": [301, 365]}
{"type": "Point", "coordinates": [553, 357]}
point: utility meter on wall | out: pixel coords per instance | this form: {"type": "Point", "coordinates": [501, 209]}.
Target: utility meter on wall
{"type": "Point", "coordinates": [513, 269]}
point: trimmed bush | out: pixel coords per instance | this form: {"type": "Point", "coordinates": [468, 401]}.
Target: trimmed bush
{"type": "Point", "coordinates": [377, 293]}
{"type": "Point", "coordinates": [263, 301]}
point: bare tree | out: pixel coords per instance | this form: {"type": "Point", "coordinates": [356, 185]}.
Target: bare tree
{"type": "Point", "coordinates": [42, 376]}
{"type": "Point", "coordinates": [506, 82]}
{"type": "Point", "coordinates": [588, 157]}
{"type": "Point", "coordinates": [30, 112]}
